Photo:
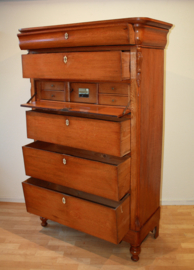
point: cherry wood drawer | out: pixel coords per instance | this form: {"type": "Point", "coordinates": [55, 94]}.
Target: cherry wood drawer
{"type": "Point", "coordinates": [53, 95]}
{"type": "Point", "coordinates": [114, 88]}
{"type": "Point", "coordinates": [102, 66]}
{"type": "Point", "coordinates": [74, 92]}
{"type": "Point", "coordinates": [67, 37]}
{"type": "Point", "coordinates": [105, 222]}
{"type": "Point", "coordinates": [113, 100]}
{"type": "Point", "coordinates": [52, 85]}
{"type": "Point", "coordinates": [112, 138]}
{"type": "Point", "coordinates": [108, 178]}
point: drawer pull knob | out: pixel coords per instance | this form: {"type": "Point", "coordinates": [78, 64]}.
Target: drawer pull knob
{"type": "Point", "coordinates": [52, 95]}
{"type": "Point", "coordinates": [66, 36]}
{"type": "Point", "coordinates": [64, 161]}
{"type": "Point", "coordinates": [113, 88]}
{"type": "Point", "coordinates": [67, 122]}
{"type": "Point", "coordinates": [63, 200]}
{"type": "Point", "coordinates": [52, 85]}
{"type": "Point", "coordinates": [65, 59]}
{"type": "Point", "coordinates": [113, 100]}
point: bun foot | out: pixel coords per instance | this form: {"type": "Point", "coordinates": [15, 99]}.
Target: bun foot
{"type": "Point", "coordinates": [135, 251]}
{"type": "Point", "coordinates": [44, 221]}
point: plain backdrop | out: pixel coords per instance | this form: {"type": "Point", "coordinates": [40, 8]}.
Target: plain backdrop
{"type": "Point", "coordinates": [178, 144]}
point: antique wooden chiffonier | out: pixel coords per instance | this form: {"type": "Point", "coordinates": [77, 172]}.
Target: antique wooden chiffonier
{"type": "Point", "coordinates": [96, 120]}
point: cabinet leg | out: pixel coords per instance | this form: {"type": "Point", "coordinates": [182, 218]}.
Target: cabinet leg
{"type": "Point", "coordinates": [135, 251]}
{"type": "Point", "coordinates": [44, 221]}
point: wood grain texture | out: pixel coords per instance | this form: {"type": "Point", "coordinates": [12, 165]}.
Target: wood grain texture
{"type": "Point", "coordinates": [94, 219]}
{"type": "Point", "coordinates": [111, 35]}
{"type": "Point", "coordinates": [106, 180]}
{"type": "Point", "coordinates": [81, 133]}
{"type": "Point", "coordinates": [80, 65]}
{"type": "Point", "coordinates": [52, 85]}
{"type": "Point", "coordinates": [146, 145]}
{"type": "Point", "coordinates": [79, 109]}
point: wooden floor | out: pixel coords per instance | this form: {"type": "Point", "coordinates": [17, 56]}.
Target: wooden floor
{"type": "Point", "coordinates": [24, 244]}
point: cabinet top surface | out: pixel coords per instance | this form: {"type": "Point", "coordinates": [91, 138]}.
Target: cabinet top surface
{"type": "Point", "coordinates": [135, 20]}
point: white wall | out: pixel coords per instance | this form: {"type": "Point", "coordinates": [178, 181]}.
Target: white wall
{"type": "Point", "coordinates": [178, 157]}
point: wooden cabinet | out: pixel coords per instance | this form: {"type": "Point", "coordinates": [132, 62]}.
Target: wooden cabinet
{"type": "Point", "coordinates": [96, 118]}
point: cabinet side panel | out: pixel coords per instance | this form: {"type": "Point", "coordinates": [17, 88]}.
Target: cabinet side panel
{"type": "Point", "coordinates": [151, 123]}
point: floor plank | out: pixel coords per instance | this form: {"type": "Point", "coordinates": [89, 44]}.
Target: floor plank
{"type": "Point", "coordinates": [24, 244]}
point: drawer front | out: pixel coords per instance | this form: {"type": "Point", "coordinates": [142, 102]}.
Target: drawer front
{"type": "Point", "coordinates": [54, 86]}
{"type": "Point", "coordinates": [112, 138]}
{"type": "Point", "coordinates": [78, 66]}
{"type": "Point", "coordinates": [111, 35]}
{"type": "Point", "coordinates": [101, 179]}
{"type": "Point", "coordinates": [53, 95]}
{"type": "Point", "coordinates": [114, 88]}
{"type": "Point", "coordinates": [107, 223]}
{"type": "Point", "coordinates": [113, 100]}
{"type": "Point", "coordinates": [77, 96]}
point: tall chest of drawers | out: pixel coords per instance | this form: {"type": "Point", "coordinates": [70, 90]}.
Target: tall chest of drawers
{"type": "Point", "coordinates": [96, 115]}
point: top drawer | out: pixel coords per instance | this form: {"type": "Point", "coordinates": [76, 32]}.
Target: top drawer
{"type": "Point", "coordinates": [69, 37]}
{"type": "Point", "coordinates": [103, 66]}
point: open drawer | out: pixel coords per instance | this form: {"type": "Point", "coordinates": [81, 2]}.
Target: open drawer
{"type": "Point", "coordinates": [91, 66]}
{"type": "Point", "coordinates": [98, 174]}
{"type": "Point", "coordinates": [110, 223]}
{"type": "Point", "coordinates": [108, 137]}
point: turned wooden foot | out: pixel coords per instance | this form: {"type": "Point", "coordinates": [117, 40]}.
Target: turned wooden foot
{"type": "Point", "coordinates": [135, 251]}
{"type": "Point", "coordinates": [44, 221]}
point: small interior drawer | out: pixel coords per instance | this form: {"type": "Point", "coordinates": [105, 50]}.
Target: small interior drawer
{"type": "Point", "coordinates": [114, 100]}
{"type": "Point", "coordinates": [53, 95]}
{"type": "Point", "coordinates": [83, 92]}
{"type": "Point", "coordinates": [114, 88]}
{"type": "Point", "coordinates": [108, 223]}
{"type": "Point", "coordinates": [67, 166]}
{"type": "Point", "coordinates": [52, 85]}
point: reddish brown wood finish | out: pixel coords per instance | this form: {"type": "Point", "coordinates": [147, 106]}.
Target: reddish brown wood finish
{"type": "Point", "coordinates": [114, 88]}
{"type": "Point", "coordinates": [129, 71]}
{"type": "Point", "coordinates": [107, 180]}
{"type": "Point", "coordinates": [114, 35]}
{"type": "Point", "coordinates": [53, 95]}
{"type": "Point", "coordinates": [112, 138]}
{"type": "Point", "coordinates": [90, 109]}
{"type": "Point", "coordinates": [80, 66]}
{"type": "Point", "coordinates": [95, 219]}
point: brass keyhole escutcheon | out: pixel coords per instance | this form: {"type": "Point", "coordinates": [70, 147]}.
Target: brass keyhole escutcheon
{"type": "Point", "coordinates": [64, 161]}
{"type": "Point", "coordinates": [65, 59]}
{"type": "Point", "coordinates": [67, 122]}
{"type": "Point", "coordinates": [66, 36]}
{"type": "Point", "coordinates": [63, 200]}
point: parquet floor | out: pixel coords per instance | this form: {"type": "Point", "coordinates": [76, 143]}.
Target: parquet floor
{"type": "Point", "coordinates": [24, 244]}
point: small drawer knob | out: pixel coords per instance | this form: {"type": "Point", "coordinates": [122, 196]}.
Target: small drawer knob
{"type": "Point", "coordinates": [67, 122]}
{"type": "Point", "coordinates": [52, 95]}
{"type": "Point", "coordinates": [113, 100]}
{"type": "Point", "coordinates": [66, 36]}
{"type": "Point", "coordinates": [52, 85]}
{"type": "Point", "coordinates": [64, 161]}
{"type": "Point", "coordinates": [63, 200]}
{"type": "Point", "coordinates": [113, 88]}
